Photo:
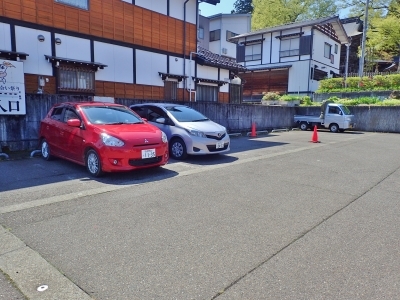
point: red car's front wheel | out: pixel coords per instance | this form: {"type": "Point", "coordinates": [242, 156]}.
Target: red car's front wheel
{"type": "Point", "coordinates": [93, 163]}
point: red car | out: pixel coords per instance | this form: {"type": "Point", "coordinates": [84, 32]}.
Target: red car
{"type": "Point", "coordinates": [104, 137]}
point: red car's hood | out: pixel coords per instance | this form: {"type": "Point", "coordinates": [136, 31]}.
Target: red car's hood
{"type": "Point", "coordinates": [135, 133]}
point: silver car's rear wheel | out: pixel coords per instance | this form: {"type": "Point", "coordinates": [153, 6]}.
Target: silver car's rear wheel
{"type": "Point", "coordinates": [93, 163]}
{"type": "Point", "coordinates": [177, 148]}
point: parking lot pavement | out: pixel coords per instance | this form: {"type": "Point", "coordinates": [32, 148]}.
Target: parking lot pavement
{"type": "Point", "coordinates": [277, 218]}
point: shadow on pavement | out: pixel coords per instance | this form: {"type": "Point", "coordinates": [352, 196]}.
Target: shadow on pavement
{"type": "Point", "coordinates": [25, 173]}
{"type": "Point", "coordinates": [34, 171]}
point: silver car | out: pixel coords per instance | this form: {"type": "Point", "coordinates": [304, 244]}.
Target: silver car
{"type": "Point", "coordinates": [188, 131]}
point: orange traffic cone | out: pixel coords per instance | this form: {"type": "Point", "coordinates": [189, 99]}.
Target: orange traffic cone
{"type": "Point", "coordinates": [253, 130]}
{"type": "Point", "coordinates": [315, 135]}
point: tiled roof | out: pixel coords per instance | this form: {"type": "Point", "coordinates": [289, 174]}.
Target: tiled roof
{"type": "Point", "coordinates": [209, 58]}
{"type": "Point", "coordinates": [334, 20]}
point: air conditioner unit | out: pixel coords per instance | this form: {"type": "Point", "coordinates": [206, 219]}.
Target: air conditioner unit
{"type": "Point", "coordinates": [224, 51]}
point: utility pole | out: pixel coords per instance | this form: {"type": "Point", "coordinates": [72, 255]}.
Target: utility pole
{"type": "Point", "coordinates": [364, 38]}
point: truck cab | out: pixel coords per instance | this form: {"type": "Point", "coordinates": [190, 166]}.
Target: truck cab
{"type": "Point", "coordinates": [335, 117]}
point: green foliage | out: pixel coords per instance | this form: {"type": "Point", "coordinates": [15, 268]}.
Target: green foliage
{"type": "Point", "coordinates": [331, 83]}
{"type": "Point", "coordinates": [242, 7]}
{"type": "Point", "coordinates": [271, 96]}
{"type": "Point", "coordinates": [391, 102]}
{"type": "Point", "coordinates": [278, 12]}
{"type": "Point", "coordinates": [289, 98]}
{"type": "Point", "coordinates": [306, 100]}
{"type": "Point", "coordinates": [395, 80]}
{"type": "Point", "coordinates": [385, 36]}
{"type": "Point", "coordinates": [356, 84]}
{"type": "Point", "coordinates": [366, 101]}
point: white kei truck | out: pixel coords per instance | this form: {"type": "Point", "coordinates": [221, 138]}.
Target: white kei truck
{"type": "Point", "coordinates": [336, 117]}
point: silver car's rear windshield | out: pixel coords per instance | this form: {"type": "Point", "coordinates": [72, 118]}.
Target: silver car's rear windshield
{"type": "Point", "coordinates": [186, 114]}
{"type": "Point", "coordinates": [110, 115]}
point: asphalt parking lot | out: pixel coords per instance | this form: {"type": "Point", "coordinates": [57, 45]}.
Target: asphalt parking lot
{"type": "Point", "coordinates": [276, 218]}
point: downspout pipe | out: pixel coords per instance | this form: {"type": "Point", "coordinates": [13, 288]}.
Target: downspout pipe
{"type": "Point", "coordinates": [184, 47]}
{"type": "Point", "coordinates": [346, 72]}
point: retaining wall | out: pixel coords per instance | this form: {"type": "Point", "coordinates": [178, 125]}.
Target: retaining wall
{"type": "Point", "coordinates": [21, 132]}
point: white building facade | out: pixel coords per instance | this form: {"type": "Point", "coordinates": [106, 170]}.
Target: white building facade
{"type": "Point", "coordinates": [290, 58]}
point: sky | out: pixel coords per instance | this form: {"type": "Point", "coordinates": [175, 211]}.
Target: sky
{"type": "Point", "coordinates": [226, 6]}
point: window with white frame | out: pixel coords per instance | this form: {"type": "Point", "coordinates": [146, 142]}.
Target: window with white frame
{"type": "Point", "coordinates": [230, 34]}
{"type": "Point", "coordinates": [84, 4]}
{"type": "Point", "coordinates": [201, 33]}
{"type": "Point", "coordinates": [327, 50]}
{"type": "Point", "coordinates": [252, 52]}
{"type": "Point", "coordinates": [290, 47]}
{"type": "Point", "coordinates": [215, 35]}
{"type": "Point", "coordinates": [71, 79]}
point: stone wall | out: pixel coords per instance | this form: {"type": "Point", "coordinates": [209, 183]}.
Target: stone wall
{"type": "Point", "coordinates": [21, 132]}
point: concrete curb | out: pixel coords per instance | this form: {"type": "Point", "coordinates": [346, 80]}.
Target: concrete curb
{"type": "Point", "coordinates": [30, 272]}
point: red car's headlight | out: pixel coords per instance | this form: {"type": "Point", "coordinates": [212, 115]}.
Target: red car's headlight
{"type": "Point", "coordinates": [109, 140]}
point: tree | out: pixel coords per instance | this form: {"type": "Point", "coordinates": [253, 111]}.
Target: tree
{"type": "Point", "coordinates": [243, 7]}
{"type": "Point", "coordinates": [277, 12]}
{"type": "Point", "coordinates": [384, 36]}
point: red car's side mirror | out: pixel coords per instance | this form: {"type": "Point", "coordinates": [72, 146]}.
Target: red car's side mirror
{"type": "Point", "coordinates": [144, 119]}
{"type": "Point", "coordinates": [74, 122]}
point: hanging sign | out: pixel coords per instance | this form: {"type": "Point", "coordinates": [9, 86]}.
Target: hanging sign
{"type": "Point", "coordinates": [12, 88]}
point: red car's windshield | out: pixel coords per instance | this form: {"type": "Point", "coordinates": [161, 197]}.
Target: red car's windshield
{"type": "Point", "coordinates": [110, 115]}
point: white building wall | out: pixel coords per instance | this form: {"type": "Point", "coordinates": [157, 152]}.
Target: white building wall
{"type": "Point", "coordinates": [27, 41]}
{"type": "Point", "coordinates": [148, 64]}
{"type": "Point", "coordinates": [237, 24]}
{"type": "Point", "coordinates": [207, 72]}
{"type": "Point", "coordinates": [224, 76]}
{"type": "Point", "coordinates": [73, 47]}
{"type": "Point", "coordinates": [266, 49]}
{"type": "Point", "coordinates": [159, 6]}
{"type": "Point", "coordinates": [318, 50]}
{"type": "Point", "coordinates": [119, 61]}
{"type": "Point", "coordinates": [276, 46]}
{"type": "Point", "coordinates": [215, 47]}
{"type": "Point", "coordinates": [299, 75]}
{"type": "Point", "coordinates": [176, 67]}
{"type": "Point", "coordinates": [176, 9]}
{"type": "Point", "coordinates": [5, 36]}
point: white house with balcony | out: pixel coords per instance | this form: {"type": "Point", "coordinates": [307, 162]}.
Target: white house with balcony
{"type": "Point", "coordinates": [290, 58]}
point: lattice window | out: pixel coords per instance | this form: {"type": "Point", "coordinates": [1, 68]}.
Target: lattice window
{"type": "Point", "coordinates": [76, 79]}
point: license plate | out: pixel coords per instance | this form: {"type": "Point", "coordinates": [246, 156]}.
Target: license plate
{"type": "Point", "coordinates": [148, 153]}
{"type": "Point", "coordinates": [219, 145]}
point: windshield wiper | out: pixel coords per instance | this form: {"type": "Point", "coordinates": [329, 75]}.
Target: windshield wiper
{"type": "Point", "coordinates": [121, 123]}
{"type": "Point", "coordinates": [200, 120]}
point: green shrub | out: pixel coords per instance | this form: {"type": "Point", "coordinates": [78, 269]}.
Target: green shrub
{"type": "Point", "coordinates": [331, 83]}
{"type": "Point", "coordinates": [355, 84]}
{"type": "Point", "coordinates": [306, 100]}
{"type": "Point", "coordinates": [390, 102]}
{"type": "Point", "coordinates": [289, 98]}
{"type": "Point", "coordinates": [271, 96]}
{"type": "Point", "coordinates": [395, 81]}
{"type": "Point", "coordinates": [381, 82]}
{"type": "Point", "coordinates": [352, 82]}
